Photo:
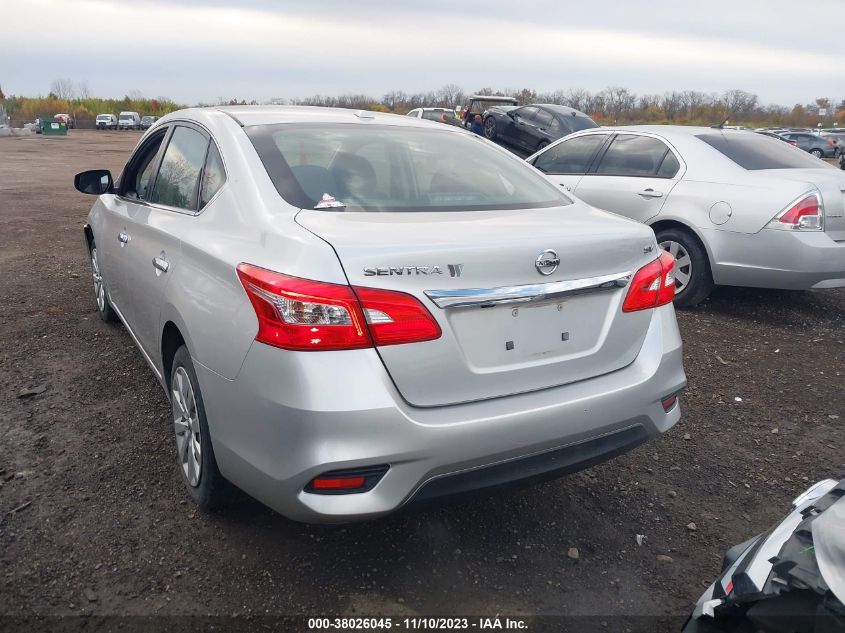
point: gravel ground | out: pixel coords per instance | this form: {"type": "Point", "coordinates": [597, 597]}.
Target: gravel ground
{"type": "Point", "coordinates": [93, 518]}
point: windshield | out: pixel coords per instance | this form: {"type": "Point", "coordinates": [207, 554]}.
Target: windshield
{"type": "Point", "coordinates": [103, 117]}
{"type": "Point", "coordinates": [753, 151]}
{"type": "Point", "coordinates": [392, 168]}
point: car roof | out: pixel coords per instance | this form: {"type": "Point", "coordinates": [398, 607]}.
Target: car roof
{"type": "Point", "coordinates": [269, 115]}
{"type": "Point", "coordinates": [492, 98]}
{"type": "Point", "coordinates": [669, 130]}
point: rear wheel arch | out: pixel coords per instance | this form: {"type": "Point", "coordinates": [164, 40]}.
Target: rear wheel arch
{"type": "Point", "coordinates": [702, 274]}
{"type": "Point", "coordinates": [171, 341]}
{"type": "Point", "coordinates": [663, 224]}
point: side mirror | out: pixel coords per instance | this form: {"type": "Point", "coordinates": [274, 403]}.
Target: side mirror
{"type": "Point", "coordinates": [94, 181]}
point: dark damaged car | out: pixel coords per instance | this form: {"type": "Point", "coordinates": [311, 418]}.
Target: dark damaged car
{"type": "Point", "coordinates": [790, 579]}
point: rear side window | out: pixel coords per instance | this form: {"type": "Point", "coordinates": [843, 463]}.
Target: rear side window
{"type": "Point", "coordinates": [213, 175]}
{"type": "Point", "coordinates": [572, 156]}
{"type": "Point", "coordinates": [632, 155]}
{"type": "Point", "coordinates": [754, 151]}
{"type": "Point", "coordinates": [396, 168]}
{"type": "Point", "coordinates": [179, 174]}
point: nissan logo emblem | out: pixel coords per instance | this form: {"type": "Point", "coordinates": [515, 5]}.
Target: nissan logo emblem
{"type": "Point", "coordinates": [547, 262]}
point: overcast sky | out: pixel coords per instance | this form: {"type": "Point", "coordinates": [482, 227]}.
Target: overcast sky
{"type": "Point", "coordinates": [785, 51]}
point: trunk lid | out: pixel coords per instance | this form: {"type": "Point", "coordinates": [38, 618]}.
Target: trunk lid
{"type": "Point", "coordinates": [831, 184]}
{"type": "Point", "coordinates": [492, 349]}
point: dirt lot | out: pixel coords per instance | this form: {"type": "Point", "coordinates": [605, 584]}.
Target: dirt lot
{"type": "Point", "coordinates": [93, 518]}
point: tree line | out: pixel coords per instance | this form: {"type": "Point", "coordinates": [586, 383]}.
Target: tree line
{"type": "Point", "coordinates": [616, 105]}
{"type": "Point", "coordinates": [613, 105]}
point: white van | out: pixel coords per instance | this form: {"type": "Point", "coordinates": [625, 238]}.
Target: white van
{"type": "Point", "coordinates": [129, 121]}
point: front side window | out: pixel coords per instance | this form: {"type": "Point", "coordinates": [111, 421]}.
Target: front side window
{"type": "Point", "coordinates": [632, 155]}
{"type": "Point", "coordinates": [572, 156]}
{"type": "Point", "coordinates": [543, 119]}
{"type": "Point", "coordinates": [526, 114]}
{"type": "Point", "coordinates": [138, 176]}
{"type": "Point", "coordinates": [393, 168]}
{"type": "Point", "coordinates": [179, 174]}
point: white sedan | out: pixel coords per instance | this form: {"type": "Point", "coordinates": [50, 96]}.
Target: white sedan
{"type": "Point", "coordinates": [735, 208]}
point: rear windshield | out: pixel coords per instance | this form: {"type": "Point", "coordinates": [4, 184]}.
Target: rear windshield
{"type": "Point", "coordinates": [578, 122]}
{"type": "Point", "coordinates": [393, 168]}
{"type": "Point", "coordinates": [754, 151]}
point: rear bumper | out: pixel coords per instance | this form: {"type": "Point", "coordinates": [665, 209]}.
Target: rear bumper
{"type": "Point", "coordinates": [789, 260]}
{"type": "Point", "coordinates": [289, 417]}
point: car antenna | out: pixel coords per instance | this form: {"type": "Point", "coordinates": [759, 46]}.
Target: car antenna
{"type": "Point", "coordinates": [721, 125]}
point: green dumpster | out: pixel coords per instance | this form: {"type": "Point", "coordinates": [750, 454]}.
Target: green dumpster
{"type": "Point", "coordinates": [52, 127]}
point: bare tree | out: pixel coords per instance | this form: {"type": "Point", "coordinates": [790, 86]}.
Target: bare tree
{"type": "Point", "coordinates": [450, 95]}
{"type": "Point", "coordinates": [63, 88]}
{"type": "Point", "coordinates": [738, 103]}
{"type": "Point", "coordinates": [672, 103]}
{"type": "Point", "coordinates": [83, 91]}
{"type": "Point", "coordinates": [618, 101]}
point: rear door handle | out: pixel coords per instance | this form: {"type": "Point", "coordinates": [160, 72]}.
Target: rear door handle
{"type": "Point", "coordinates": [159, 263]}
{"type": "Point", "coordinates": [651, 193]}
{"type": "Point", "coordinates": [122, 237]}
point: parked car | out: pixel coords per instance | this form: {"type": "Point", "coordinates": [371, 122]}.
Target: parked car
{"type": "Point", "coordinates": [734, 208]}
{"type": "Point", "coordinates": [812, 143]}
{"type": "Point", "coordinates": [66, 119]}
{"type": "Point", "coordinates": [533, 127]}
{"type": "Point", "coordinates": [105, 122]}
{"type": "Point", "coordinates": [478, 104]}
{"type": "Point", "coordinates": [789, 578]}
{"type": "Point", "coordinates": [838, 141]}
{"type": "Point", "coordinates": [441, 115]}
{"type": "Point", "coordinates": [283, 272]}
{"type": "Point", "coordinates": [147, 121]}
{"type": "Point", "coordinates": [776, 136]}
{"type": "Point", "coordinates": [129, 121]}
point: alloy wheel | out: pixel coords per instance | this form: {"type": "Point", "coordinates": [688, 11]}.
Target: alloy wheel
{"type": "Point", "coordinates": [99, 288]}
{"type": "Point", "coordinates": [186, 425]}
{"type": "Point", "coordinates": [683, 264]}
{"type": "Point", "coordinates": [490, 128]}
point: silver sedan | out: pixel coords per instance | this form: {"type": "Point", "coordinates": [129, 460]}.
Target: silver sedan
{"type": "Point", "coordinates": [350, 311]}
{"type": "Point", "coordinates": [734, 208]}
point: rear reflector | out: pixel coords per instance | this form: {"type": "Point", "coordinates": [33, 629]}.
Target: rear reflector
{"type": "Point", "coordinates": [353, 480]}
{"type": "Point", "coordinates": [338, 483]}
{"type": "Point", "coordinates": [652, 286]}
{"type": "Point", "coordinates": [805, 214]}
{"type": "Point", "coordinates": [669, 402]}
{"type": "Point", "coordinates": [304, 315]}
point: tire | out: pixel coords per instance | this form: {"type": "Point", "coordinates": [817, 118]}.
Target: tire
{"type": "Point", "coordinates": [490, 128]}
{"type": "Point", "coordinates": [691, 259]}
{"type": "Point", "coordinates": [199, 473]}
{"type": "Point", "coordinates": [817, 153]}
{"type": "Point", "coordinates": [101, 293]}
{"type": "Point", "coordinates": [542, 145]}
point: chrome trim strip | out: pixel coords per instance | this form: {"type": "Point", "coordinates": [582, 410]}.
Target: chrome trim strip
{"type": "Point", "coordinates": [484, 297]}
{"type": "Point", "coordinates": [138, 345]}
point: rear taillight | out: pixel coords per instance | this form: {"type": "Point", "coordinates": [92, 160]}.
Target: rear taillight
{"type": "Point", "coordinates": [806, 213]}
{"type": "Point", "coordinates": [396, 317]}
{"type": "Point", "coordinates": [300, 314]}
{"type": "Point", "coordinates": [652, 286]}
